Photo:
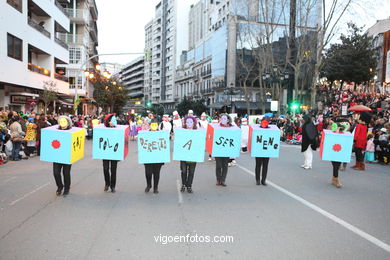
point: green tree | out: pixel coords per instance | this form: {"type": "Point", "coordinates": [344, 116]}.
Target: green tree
{"type": "Point", "coordinates": [352, 60]}
{"type": "Point", "coordinates": [110, 95]}
{"type": "Point", "coordinates": [49, 94]}
{"type": "Point", "coordinates": [197, 106]}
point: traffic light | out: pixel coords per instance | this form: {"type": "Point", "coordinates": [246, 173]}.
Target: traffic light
{"type": "Point", "coordinates": [148, 104]}
{"type": "Point", "coordinates": [294, 105]}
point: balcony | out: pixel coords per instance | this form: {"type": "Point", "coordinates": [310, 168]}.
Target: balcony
{"type": "Point", "coordinates": [63, 44]}
{"type": "Point", "coordinates": [206, 73]}
{"type": "Point", "coordinates": [38, 69]}
{"type": "Point", "coordinates": [62, 9]}
{"type": "Point", "coordinates": [93, 8]}
{"type": "Point", "coordinates": [93, 31]}
{"type": "Point", "coordinates": [61, 77]}
{"type": "Point", "coordinates": [39, 27]}
{"type": "Point", "coordinates": [79, 16]}
{"type": "Point", "coordinates": [70, 38]}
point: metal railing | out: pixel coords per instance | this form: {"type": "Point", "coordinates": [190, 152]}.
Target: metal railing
{"type": "Point", "coordinates": [63, 44]}
{"type": "Point", "coordinates": [61, 8]}
{"type": "Point", "coordinates": [38, 27]}
{"type": "Point", "coordinates": [38, 69]}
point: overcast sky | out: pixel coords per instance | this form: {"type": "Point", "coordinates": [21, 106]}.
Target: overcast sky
{"type": "Point", "coordinates": [121, 23]}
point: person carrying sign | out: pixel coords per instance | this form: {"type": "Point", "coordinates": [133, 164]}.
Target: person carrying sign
{"type": "Point", "coordinates": [188, 168]}
{"type": "Point", "coordinates": [262, 162]}
{"type": "Point", "coordinates": [65, 123]}
{"type": "Point", "coordinates": [152, 169]}
{"type": "Point", "coordinates": [223, 162]}
{"type": "Point", "coordinates": [110, 179]}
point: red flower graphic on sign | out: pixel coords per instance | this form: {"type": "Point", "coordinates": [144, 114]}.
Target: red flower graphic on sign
{"type": "Point", "coordinates": [56, 144]}
{"type": "Point", "coordinates": [337, 148]}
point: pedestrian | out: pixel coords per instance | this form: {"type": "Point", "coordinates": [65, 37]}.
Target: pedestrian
{"type": "Point", "coordinates": [110, 165]}
{"type": "Point", "coordinates": [369, 155]}
{"type": "Point", "coordinates": [262, 162]}
{"type": "Point", "coordinates": [222, 163]}
{"type": "Point", "coordinates": [65, 123]}
{"type": "Point", "coordinates": [309, 141]}
{"type": "Point", "coordinates": [152, 169]}
{"type": "Point", "coordinates": [16, 137]}
{"type": "Point", "coordinates": [187, 167]}
{"type": "Point", "coordinates": [133, 128]}
{"type": "Point", "coordinates": [336, 165]}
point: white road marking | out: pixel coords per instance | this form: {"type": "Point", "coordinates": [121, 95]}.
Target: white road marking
{"type": "Point", "coordinates": [180, 196]}
{"type": "Point", "coordinates": [7, 180]}
{"type": "Point", "coordinates": [330, 216]}
{"type": "Point", "coordinates": [28, 194]}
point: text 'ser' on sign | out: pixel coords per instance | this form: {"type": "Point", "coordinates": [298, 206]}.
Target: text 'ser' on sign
{"type": "Point", "coordinates": [336, 147]}
{"type": "Point", "coordinates": [153, 147]}
{"type": "Point", "coordinates": [110, 143]}
{"type": "Point", "coordinates": [264, 142]}
{"type": "Point", "coordinates": [62, 146]}
{"type": "Point", "coordinates": [223, 141]}
{"type": "Point", "coordinates": [189, 145]}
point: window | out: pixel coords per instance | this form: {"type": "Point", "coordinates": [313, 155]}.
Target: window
{"type": "Point", "coordinates": [15, 47]}
{"type": "Point", "coordinates": [17, 4]}
{"type": "Point", "coordinates": [74, 55]}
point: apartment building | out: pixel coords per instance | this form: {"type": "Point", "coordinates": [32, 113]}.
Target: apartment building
{"type": "Point", "coordinates": [165, 39]}
{"type": "Point", "coordinates": [82, 39]}
{"type": "Point", "coordinates": [31, 53]}
{"type": "Point", "coordinates": [380, 32]}
{"type": "Point", "coordinates": [132, 77]}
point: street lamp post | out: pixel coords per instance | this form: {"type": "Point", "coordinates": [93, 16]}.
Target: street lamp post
{"type": "Point", "coordinates": [91, 75]}
{"type": "Point", "coordinates": [276, 76]}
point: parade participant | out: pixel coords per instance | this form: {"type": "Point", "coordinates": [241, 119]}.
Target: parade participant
{"type": "Point", "coordinates": [203, 124]}
{"type": "Point", "coordinates": [188, 168]}
{"type": "Point", "coordinates": [133, 128]}
{"type": "Point", "coordinates": [190, 113]}
{"type": "Point", "coordinates": [152, 169]}
{"type": "Point", "coordinates": [176, 120]}
{"type": "Point", "coordinates": [262, 162]}
{"type": "Point", "coordinates": [110, 180]}
{"type": "Point", "coordinates": [65, 123]}
{"type": "Point", "coordinates": [336, 165]}
{"type": "Point", "coordinates": [309, 137]}
{"type": "Point", "coordinates": [221, 168]}
{"type": "Point", "coordinates": [16, 137]}
{"type": "Point", "coordinates": [369, 155]}
{"type": "Point", "coordinates": [360, 140]}
{"type": "Point", "coordinates": [30, 138]}
{"type": "Point", "coordinates": [165, 124]}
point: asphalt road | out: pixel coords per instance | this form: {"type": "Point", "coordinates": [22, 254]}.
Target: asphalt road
{"type": "Point", "coordinates": [299, 215]}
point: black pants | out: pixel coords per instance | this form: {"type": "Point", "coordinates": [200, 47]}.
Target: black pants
{"type": "Point", "coordinates": [221, 168]}
{"type": "Point", "coordinates": [336, 167]}
{"type": "Point", "coordinates": [110, 180]}
{"type": "Point", "coordinates": [187, 173]}
{"type": "Point", "coordinates": [152, 169]}
{"type": "Point", "coordinates": [359, 154]}
{"type": "Point", "coordinates": [57, 167]}
{"type": "Point", "coordinates": [261, 164]}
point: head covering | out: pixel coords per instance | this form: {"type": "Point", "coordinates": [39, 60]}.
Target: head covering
{"type": "Point", "coordinates": [244, 121]}
{"type": "Point", "coordinates": [203, 114]}
{"type": "Point", "coordinates": [384, 130]}
{"type": "Point", "coordinates": [175, 113]}
{"type": "Point", "coordinates": [107, 120]}
{"type": "Point", "coordinates": [190, 112]}
{"type": "Point", "coordinates": [264, 122]}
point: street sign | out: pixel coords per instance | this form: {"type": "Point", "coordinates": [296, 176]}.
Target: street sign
{"type": "Point", "coordinates": [274, 105]}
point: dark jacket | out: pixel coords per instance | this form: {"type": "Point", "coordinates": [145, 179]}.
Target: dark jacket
{"type": "Point", "coordinates": [309, 134]}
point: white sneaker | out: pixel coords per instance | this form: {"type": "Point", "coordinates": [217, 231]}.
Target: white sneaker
{"type": "Point", "coordinates": [303, 165]}
{"type": "Point", "coordinates": [307, 167]}
{"type": "Point", "coordinates": [230, 164]}
{"type": "Point", "coordinates": [234, 162]}
{"type": "Point", "coordinates": [209, 158]}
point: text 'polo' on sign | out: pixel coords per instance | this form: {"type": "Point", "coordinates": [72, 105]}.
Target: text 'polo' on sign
{"type": "Point", "coordinates": [267, 142]}
{"type": "Point", "coordinates": [104, 143]}
{"type": "Point", "coordinates": [149, 146]}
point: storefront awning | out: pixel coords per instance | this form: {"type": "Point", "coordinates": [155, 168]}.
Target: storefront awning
{"type": "Point", "coordinates": [217, 105]}
{"type": "Point", "coordinates": [243, 105]}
